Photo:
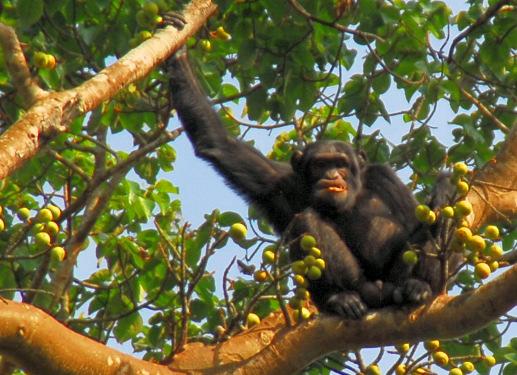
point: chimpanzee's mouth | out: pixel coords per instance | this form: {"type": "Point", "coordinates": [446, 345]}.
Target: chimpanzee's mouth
{"type": "Point", "coordinates": [336, 189]}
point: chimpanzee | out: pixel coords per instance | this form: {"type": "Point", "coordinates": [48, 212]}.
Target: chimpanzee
{"type": "Point", "coordinates": [361, 214]}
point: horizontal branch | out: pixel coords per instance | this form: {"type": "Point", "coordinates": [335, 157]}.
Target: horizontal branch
{"type": "Point", "coordinates": [42, 345]}
{"type": "Point", "coordinates": [271, 348]}
{"type": "Point", "coordinates": [54, 112]}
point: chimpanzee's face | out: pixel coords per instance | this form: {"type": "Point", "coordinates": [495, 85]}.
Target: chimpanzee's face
{"type": "Point", "coordinates": [332, 171]}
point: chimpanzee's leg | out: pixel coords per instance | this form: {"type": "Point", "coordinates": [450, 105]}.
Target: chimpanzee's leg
{"type": "Point", "coordinates": [342, 288]}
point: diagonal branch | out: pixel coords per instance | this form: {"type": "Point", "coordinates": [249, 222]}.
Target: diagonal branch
{"type": "Point", "coordinates": [53, 113]}
{"type": "Point", "coordinates": [490, 12]}
{"type": "Point", "coordinates": [494, 190]}
{"type": "Point", "coordinates": [25, 84]}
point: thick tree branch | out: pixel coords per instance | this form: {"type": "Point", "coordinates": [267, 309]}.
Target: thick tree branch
{"type": "Point", "coordinates": [28, 90]}
{"type": "Point", "coordinates": [271, 348]}
{"type": "Point", "coordinates": [54, 112]}
{"type": "Point", "coordinates": [44, 346]}
{"type": "Point", "coordinates": [41, 345]}
{"type": "Point", "coordinates": [494, 189]}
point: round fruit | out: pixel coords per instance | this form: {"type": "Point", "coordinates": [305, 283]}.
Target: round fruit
{"type": "Point", "coordinates": [309, 260]}
{"type": "Point", "coordinates": [302, 313]}
{"type": "Point", "coordinates": [494, 265]}
{"type": "Point", "coordinates": [2, 225]}
{"type": "Point", "coordinates": [144, 35]}
{"type": "Point", "coordinates": [42, 240]}
{"type": "Point", "coordinates": [462, 187]}
{"type": "Point", "coordinates": [252, 319]}
{"type": "Point", "coordinates": [143, 19]}
{"type": "Point", "coordinates": [238, 231]}
{"type": "Point", "coordinates": [51, 62]}
{"type": "Point", "coordinates": [57, 253]}
{"type": "Point", "coordinates": [38, 227]}
{"type": "Point", "coordinates": [494, 251]}
{"type": "Point", "coordinates": [222, 34]}
{"type": "Point", "coordinates": [40, 59]}
{"type": "Point", "coordinates": [268, 257]}
{"type": "Point", "coordinates": [441, 358]}
{"type": "Point", "coordinates": [373, 369]}
{"type": "Point", "coordinates": [52, 228]}
{"type": "Point", "coordinates": [299, 280]}
{"type": "Point", "coordinates": [410, 257]}
{"type": "Point", "coordinates": [482, 270]}
{"type": "Point", "coordinates": [400, 369]}
{"type": "Point", "coordinates": [456, 371]}
{"type": "Point", "coordinates": [151, 8]}
{"type": "Point", "coordinates": [467, 367]}
{"type": "Point", "coordinates": [403, 348]}
{"type": "Point", "coordinates": [492, 232]}
{"type": "Point", "coordinates": [307, 242]}
{"type": "Point", "coordinates": [448, 212]}
{"type": "Point", "coordinates": [320, 263]}
{"type": "Point", "coordinates": [421, 212]}
{"type": "Point", "coordinates": [298, 267]}
{"type": "Point", "coordinates": [56, 211]}
{"type": "Point", "coordinates": [431, 218]}
{"type": "Point", "coordinates": [44, 216]}
{"type": "Point", "coordinates": [24, 213]}
{"type": "Point", "coordinates": [432, 345]}
{"type": "Point", "coordinates": [220, 330]}
{"type": "Point", "coordinates": [205, 45]}
{"type": "Point", "coordinates": [489, 360]}
{"type": "Point", "coordinates": [260, 276]}
{"type": "Point", "coordinates": [460, 169]}
{"type": "Point", "coordinates": [463, 234]}
{"type": "Point", "coordinates": [463, 208]}
{"type": "Point", "coordinates": [314, 273]}
{"type": "Point", "coordinates": [476, 243]}
{"type": "Point", "coordinates": [315, 252]}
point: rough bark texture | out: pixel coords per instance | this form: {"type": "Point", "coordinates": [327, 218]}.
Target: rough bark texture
{"type": "Point", "coordinates": [42, 345]}
{"type": "Point", "coordinates": [494, 191]}
{"type": "Point", "coordinates": [53, 113]}
{"type": "Point", "coordinates": [39, 343]}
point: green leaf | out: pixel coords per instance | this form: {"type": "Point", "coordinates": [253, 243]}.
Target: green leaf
{"type": "Point", "coordinates": [257, 103]}
{"type": "Point", "coordinates": [128, 327]}
{"type": "Point", "coordinates": [29, 11]}
{"type": "Point", "coordinates": [165, 186]}
{"type": "Point", "coordinates": [229, 218]}
{"type": "Point", "coordinates": [381, 83]}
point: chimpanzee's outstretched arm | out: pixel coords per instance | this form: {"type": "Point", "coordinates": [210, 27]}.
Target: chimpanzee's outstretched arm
{"type": "Point", "coordinates": [268, 184]}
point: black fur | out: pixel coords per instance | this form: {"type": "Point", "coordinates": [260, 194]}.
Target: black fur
{"type": "Point", "coordinates": [361, 214]}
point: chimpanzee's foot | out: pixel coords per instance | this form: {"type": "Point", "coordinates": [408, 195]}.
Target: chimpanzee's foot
{"type": "Point", "coordinates": [174, 19]}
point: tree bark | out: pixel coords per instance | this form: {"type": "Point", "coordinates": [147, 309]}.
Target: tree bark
{"type": "Point", "coordinates": [54, 112]}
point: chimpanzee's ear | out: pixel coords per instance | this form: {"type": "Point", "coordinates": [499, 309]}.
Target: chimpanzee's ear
{"type": "Point", "coordinates": [296, 160]}
{"type": "Point", "coordinates": [362, 159]}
